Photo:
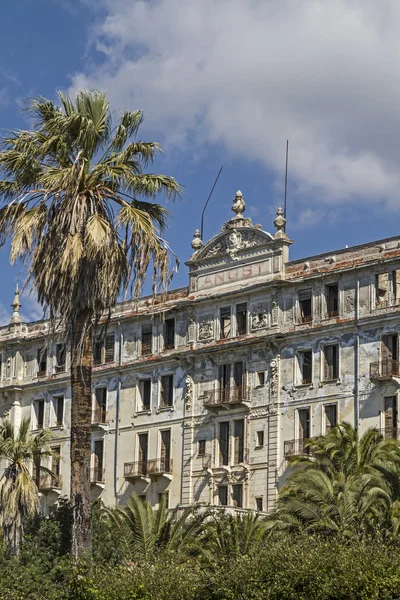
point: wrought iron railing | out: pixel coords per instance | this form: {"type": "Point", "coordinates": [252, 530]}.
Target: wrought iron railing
{"type": "Point", "coordinates": [306, 319]}
{"type": "Point", "coordinates": [384, 369]}
{"type": "Point", "coordinates": [228, 395]}
{"type": "Point", "coordinates": [332, 313]}
{"type": "Point", "coordinates": [97, 475]}
{"type": "Point", "coordinates": [143, 468]}
{"type": "Point", "coordinates": [296, 447]}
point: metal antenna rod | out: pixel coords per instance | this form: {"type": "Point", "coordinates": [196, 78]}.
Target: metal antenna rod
{"type": "Point", "coordinates": [284, 205]}
{"type": "Point", "coordinates": [208, 199]}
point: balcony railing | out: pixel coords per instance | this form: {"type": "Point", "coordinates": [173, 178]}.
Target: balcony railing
{"type": "Point", "coordinates": [145, 468]}
{"type": "Point", "coordinates": [99, 415]}
{"type": "Point", "coordinates": [332, 314]}
{"type": "Point", "coordinates": [306, 319]}
{"type": "Point", "coordinates": [296, 447]}
{"type": "Point", "coordinates": [390, 433]}
{"type": "Point", "coordinates": [230, 395]}
{"type": "Point", "coordinates": [97, 475]}
{"type": "Point", "coordinates": [384, 369]}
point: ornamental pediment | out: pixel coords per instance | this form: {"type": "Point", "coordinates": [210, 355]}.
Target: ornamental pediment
{"type": "Point", "coordinates": [231, 241]}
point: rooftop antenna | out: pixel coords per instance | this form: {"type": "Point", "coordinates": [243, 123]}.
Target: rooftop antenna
{"type": "Point", "coordinates": [208, 199]}
{"type": "Point", "coordinates": [284, 205]}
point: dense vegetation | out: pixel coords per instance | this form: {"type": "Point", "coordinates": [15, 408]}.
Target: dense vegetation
{"type": "Point", "coordinates": [334, 536]}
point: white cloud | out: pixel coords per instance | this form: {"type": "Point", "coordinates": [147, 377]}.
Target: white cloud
{"type": "Point", "coordinates": [251, 73]}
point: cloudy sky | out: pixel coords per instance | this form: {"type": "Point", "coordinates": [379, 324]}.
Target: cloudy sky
{"type": "Point", "coordinates": [226, 82]}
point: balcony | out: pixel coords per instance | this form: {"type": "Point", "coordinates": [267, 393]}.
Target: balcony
{"type": "Point", "coordinates": [305, 319]}
{"type": "Point", "coordinates": [143, 469]}
{"type": "Point", "coordinates": [384, 369]}
{"type": "Point", "coordinates": [296, 447]}
{"type": "Point", "coordinates": [97, 476]}
{"type": "Point", "coordinates": [48, 483]}
{"type": "Point", "coordinates": [331, 314]}
{"type": "Point", "coordinates": [99, 416]}
{"type": "Point", "coordinates": [239, 394]}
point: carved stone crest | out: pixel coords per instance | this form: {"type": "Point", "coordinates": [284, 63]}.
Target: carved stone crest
{"type": "Point", "coordinates": [188, 391]}
{"type": "Point", "coordinates": [259, 317]}
{"type": "Point", "coordinates": [206, 329]}
{"type": "Point", "coordinates": [273, 365]}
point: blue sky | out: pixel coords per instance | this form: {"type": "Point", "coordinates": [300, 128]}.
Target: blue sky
{"type": "Point", "coordinates": [227, 82]}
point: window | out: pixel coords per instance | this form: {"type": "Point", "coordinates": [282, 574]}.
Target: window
{"type": "Point", "coordinates": [147, 334]}
{"type": "Point", "coordinates": [305, 365]}
{"type": "Point", "coordinates": [225, 322]}
{"type": "Point", "coordinates": [143, 439]}
{"type": "Point", "coordinates": [169, 334]}
{"type": "Point", "coordinates": [389, 348]}
{"type": "Point", "coordinates": [103, 350]}
{"type": "Point", "coordinates": [305, 303]}
{"type": "Point", "coordinates": [98, 470]}
{"type": "Point", "coordinates": [58, 402]}
{"type": "Point", "coordinates": [55, 466]}
{"type": "Point", "coordinates": [259, 503]}
{"type": "Point", "coordinates": [241, 319]}
{"type": "Point", "coordinates": [39, 414]}
{"type": "Point", "coordinates": [167, 391]}
{"type": "Point", "coordinates": [260, 438]}
{"type": "Point", "coordinates": [223, 495]}
{"type": "Point", "coordinates": [260, 379]}
{"type": "Point", "coordinates": [42, 361]}
{"type": "Point", "coordinates": [304, 427]}
{"type": "Point", "coordinates": [390, 417]}
{"type": "Point", "coordinates": [109, 348]}
{"type": "Point", "coordinates": [332, 300]}
{"type": "Point", "coordinates": [224, 382]}
{"type": "Point", "coordinates": [331, 362]}
{"type": "Point", "coordinates": [381, 289]}
{"type": "Point", "coordinates": [166, 451]}
{"type": "Point", "coordinates": [396, 285]}
{"type": "Point", "coordinates": [237, 495]}
{"type": "Point", "coordinates": [239, 441]}
{"type": "Point", "coordinates": [100, 407]}
{"type": "Point", "coordinates": [201, 451]}
{"type": "Point", "coordinates": [60, 358]}
{"type": "Point", "coordinates": [145, 394]}
{"type": "Point", "coordinates": [330, 417]}
{"type": "Point", "coordinates": [224, 443]}
{"type": "Point", "coordinates": [238, 378]}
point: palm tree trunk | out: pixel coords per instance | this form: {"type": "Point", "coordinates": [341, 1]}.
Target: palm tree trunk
{"type": "Point", "coordinates": [81, 436]}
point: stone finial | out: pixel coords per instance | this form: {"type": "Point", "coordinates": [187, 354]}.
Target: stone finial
{"type": "Point", "coordinates": [239, 205]}
{"type": "Point", "coordinates": [280, 220]}
{"type": "Point", "coordinates": [16, 305]}
{"type": "Point", "coordinates": [196, 241]}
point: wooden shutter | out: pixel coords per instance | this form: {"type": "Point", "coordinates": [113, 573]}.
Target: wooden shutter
{"type": "Point", "coordinates": [224, 442]}
{"type": "Point", "coordinates": [390, 416]}
{"type": "Point", "coordinates": [330, 417]}
{"type": "Point", "coordinates": [239, 441]}
{"type": "Point", "coordinates": [328, 363]}
{"type": "Point", "coordinates": [109, 348]}
{"type": "Point", "coordinates": [165, 449]}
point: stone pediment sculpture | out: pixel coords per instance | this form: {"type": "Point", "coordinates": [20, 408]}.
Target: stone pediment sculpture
{"type": "Point", "coordinates": [237, 234]}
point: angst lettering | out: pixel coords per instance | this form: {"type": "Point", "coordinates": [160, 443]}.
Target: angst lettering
{"type": "Point", "coordinates": [233, 275]}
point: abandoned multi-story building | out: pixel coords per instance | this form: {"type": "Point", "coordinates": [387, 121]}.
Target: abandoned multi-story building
{"type": "Point", "coordinates": [203, 394]}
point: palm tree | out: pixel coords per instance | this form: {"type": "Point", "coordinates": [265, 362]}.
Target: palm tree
{"type": "Point", "coordinates": [146, 531]}
{"type": "Point", "coordinates": [72, 188]}
{"type": "Point", "coordinates": [346, 485]}
{"type": "Point", "coordinates": [18, 491]}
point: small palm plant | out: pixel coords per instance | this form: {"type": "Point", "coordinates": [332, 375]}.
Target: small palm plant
{"type": "Point", "coordinates": [19, 498]}
{"type": "Point", "coordinates": [146, 531]}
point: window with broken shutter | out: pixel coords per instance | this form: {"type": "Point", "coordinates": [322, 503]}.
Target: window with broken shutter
{"type": "Point", "coordinates": [109, 348]}
{"type": "Point", "coordinates": [304, 423]}
{"type": "Point", "coordinates": [305, 304]}
{"type": "Point", "coordinates": [239, 441]}
{"type": "Point", "coordinates": [332, 300]}
{"type": "Point", "coordinates": [165, 450]}
{"type": "Point", "coordinates": [330, 417]}
{"type": "Point", "coordinates": [382, 284]}
{"type": "Point", "coordinates": [331, 362]}
{"type": "Point", "coordinates": [169, 340]}
{"type": "Point", "coordinates": [100, 411]}
{"type": "Point", "coordinates": [147, 334]}
{"type": "Point", "coordinates": [167, 390]}
{"type": "Point", "coordinates": [241, 318]}
{"type": "Point", "coordinates": [225, 322]}
{"type": "Point", "coordinates": [224, 443]}
{"type": "Point", "coordinates": [305, 364]}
